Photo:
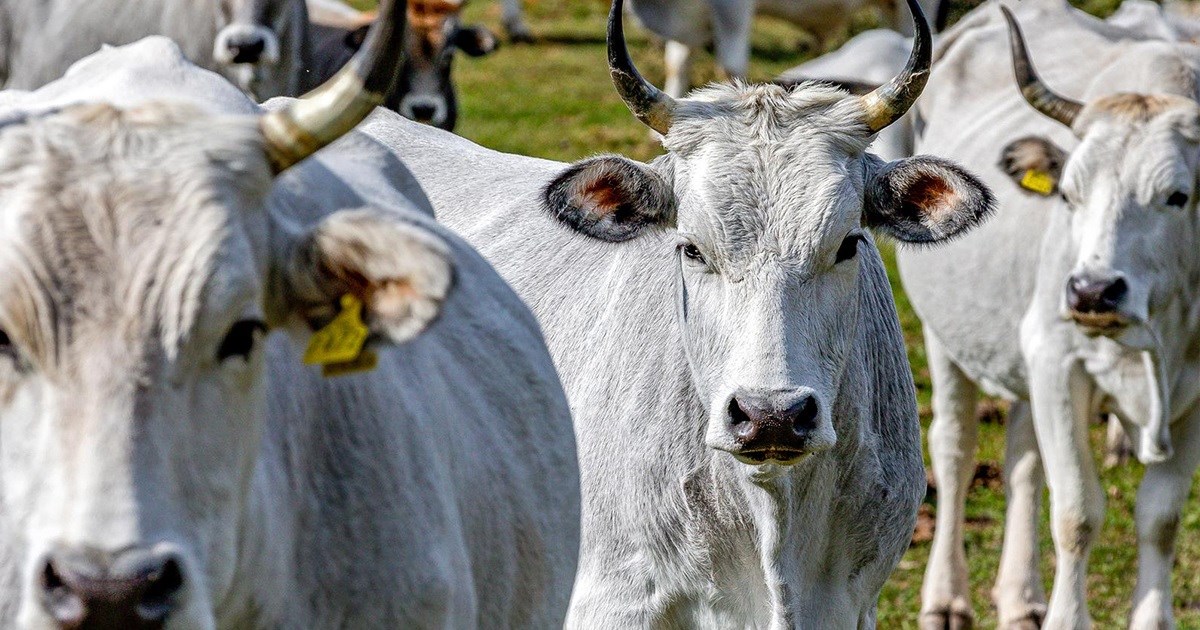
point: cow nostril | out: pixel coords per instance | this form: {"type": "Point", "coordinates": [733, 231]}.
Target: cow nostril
{"type": "Point", "coordinates": [423, 112]}
{"type": "Point", "coordinates": [804, 416]}
{"type": "Point", "coordinates": [161, 587]}
{"type": "Point", "coordinates": [1112, 294]}
{"type": "Point", "coordinates": [58, 599]}
{"type": "Point", "coordinates": [739, 421]}
{"type": "Point", "coordinates": [247, 51]}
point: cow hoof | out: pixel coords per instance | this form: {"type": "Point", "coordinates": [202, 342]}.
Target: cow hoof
{"type": "Point", "coordinates": [947, 620]}
{"type": "Point", "coordinates": [1031, 622]}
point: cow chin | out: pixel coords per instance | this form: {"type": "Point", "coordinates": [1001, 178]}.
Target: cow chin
{"type": "Point", "coordinates": [1119, 327]}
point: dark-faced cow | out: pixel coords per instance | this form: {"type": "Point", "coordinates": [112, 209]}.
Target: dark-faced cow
{"type": "Point", "coordinates": [1080, 297]}
{"type": "Point", "coordinates": [723, 325]}
{"type": "Point", "coordinates": [426, 91]}
{"type": "Point", "coordinates": [168, 461]}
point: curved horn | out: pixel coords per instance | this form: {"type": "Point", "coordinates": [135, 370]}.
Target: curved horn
{"type": "Point", "coordinates": [889, 101]}
{"type": "Point", "coordinates": [648, 103]}
{"type": "Point", "coordinates": [334, 108]}
{"type": "Point", "coordinates": [1041, 97]}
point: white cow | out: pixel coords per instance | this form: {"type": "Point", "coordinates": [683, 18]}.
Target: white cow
{"type": "Point", "coordinates": [722, 321]}
{"type": "Point", "coordinates": [166, 459]}
{"type": "Point", "coordinates": [1080, 297]}
{"type": "Point", "coordinates": [688, 24]}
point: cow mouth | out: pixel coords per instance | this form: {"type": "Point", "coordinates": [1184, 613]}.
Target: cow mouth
{"type": "Point", "coordinates": [1100, 324]}
{"type": "Point", "coordinates": [781, 456]}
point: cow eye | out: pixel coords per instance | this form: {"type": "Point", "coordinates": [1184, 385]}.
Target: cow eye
{"type": "Point", "coordinates": [693, 252]}
{"type": "Point", "coordinates": [241, 338]}
{"type": "Point", "coordinates": [1177, 199]}
{"type": "Point", "coordinates": [849, 248]}
{"type": "Point", "coordinates": [7, 349]}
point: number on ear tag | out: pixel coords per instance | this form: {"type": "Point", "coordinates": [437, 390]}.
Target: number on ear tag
{"type": "Point", "coordinates": [339, 345]}
{"type": "Point", "coordinates": [1039, 182]}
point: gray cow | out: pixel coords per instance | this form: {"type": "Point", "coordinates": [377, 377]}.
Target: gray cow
{"type": "Point", "coordinates": [722, 321]}
{"type": "Point", "coordinates": [258, 44]}
{"type": "Point", "coordinates": [168, 462]}
{"type": "Point", "coordinates": [1079, 297]}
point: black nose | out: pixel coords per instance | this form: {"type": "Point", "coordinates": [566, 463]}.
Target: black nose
{"type": "Point", "coordinates": [772, 423]}
{"type": "Point", "coordinates": [137, 591]}
{"type": "Point", "coordinates": [247, 48]}
{"type": "Point", "coordinates": [423, 112]}
{"type": "Point", "coordinates": [1089, 293]}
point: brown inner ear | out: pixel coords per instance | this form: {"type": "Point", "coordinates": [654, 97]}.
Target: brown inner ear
{"type": "Point", "coordinates": [604, 193]}
{"type": "Point", "coordinates": [928, 196]}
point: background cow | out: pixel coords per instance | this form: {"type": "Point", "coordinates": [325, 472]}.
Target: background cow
{"type": "Point", "coordinates": [426, 90]}
{"type": "Point", "coordinates": [1079, 297]}
{"type": "Point", "coordinates": [258, 44]}
{"type": "Point", "coordinates": [724, 329]}
{"type": "Point", "coordinates": [688, 24]}
{"type": "Point", "coordinates": [168, 462]}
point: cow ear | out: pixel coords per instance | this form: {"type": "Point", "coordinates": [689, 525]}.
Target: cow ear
{"type": "Point", "coordinates": [476, 40]}
{"type": "Point", "coordinates": [611, 198]}
{"type": "Point", "coordinates": [925, 199]}
{"type": "Point", "coordinates": [1035, 164]}
{"type": "Point", "coordinates": [399, 272]}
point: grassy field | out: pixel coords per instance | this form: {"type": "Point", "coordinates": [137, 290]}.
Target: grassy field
{"type": "Point", "coordinates": [554, 100]}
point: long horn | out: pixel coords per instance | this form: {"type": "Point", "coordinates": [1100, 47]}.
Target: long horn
{"type": "Point", "coordinates": [1038, 94]}
{"type": "Point", "coordinates": [888, 103]}
{"type": "Point", "coordinates": [333, 109]}
{"type": "Point", "coordinates": [648, 103]}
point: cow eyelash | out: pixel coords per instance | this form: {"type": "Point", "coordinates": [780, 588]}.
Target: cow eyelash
{"type": "Point", "coordinates": [849, 248]}
{"type": "Point", "coordinates": [241, 339]}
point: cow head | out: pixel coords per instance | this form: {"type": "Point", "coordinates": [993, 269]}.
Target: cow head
{"type": "Point", "coordinates": [1130, 186]}
{"type": "Point", "coordinates": [769, 192]}
{"type": "Point", "coordinates": [426, 92]}
{"type": "Point", "coordinates": [140, 269]}
{"type": "Point", "coordinates": [246, 38]}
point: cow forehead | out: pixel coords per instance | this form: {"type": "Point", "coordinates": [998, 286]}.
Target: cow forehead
{"type": "Point", "coordinates": [768, 169]}
{"type": "Point", "coordinates": [1148, 142]}
{"type": "Point", "coordinates": [118, 219]}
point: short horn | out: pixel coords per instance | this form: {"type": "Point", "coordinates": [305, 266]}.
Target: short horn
{"type": "Point", "coordinates": [648, 103]}
{"type": "Point", "coordinates": [891, 100]}
{"type": "Point", "coordinates": [1041, 97]}
{"type": "Point", "coordinates": [333, 109]}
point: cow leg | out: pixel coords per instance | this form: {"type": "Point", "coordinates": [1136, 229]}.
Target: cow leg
{"type": "Point", "coordinates": [945, 595]}
{"type": "Point", "coordinates": [514, 22]}
{"type": "Point", "coordinates": [1117, 447]}
{"type": "Point", "coordinates": [1060, 394]}
{"type": "Point", "coordinates": [1161, 495]}
{"type": "Point", "coordinates": [731, 35]}
{"type": "Point", "coordinates": [679, 69]}
{"type": "Point", "coordinates": [1019, 595]}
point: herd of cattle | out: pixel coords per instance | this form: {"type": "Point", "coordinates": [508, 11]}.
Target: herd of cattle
{"type": "Point", "coordinates": [308, 364]}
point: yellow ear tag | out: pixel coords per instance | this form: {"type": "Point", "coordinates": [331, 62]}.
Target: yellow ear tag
{"type": "Point", "coordinates": [1039, 182]}
{"type": "Point", "coordinates": [338, 347]}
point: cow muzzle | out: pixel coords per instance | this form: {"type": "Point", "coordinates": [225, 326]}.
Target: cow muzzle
{"type": "Point", "coordinates": [1096, 302]}
{"type": "Point", "coordinates": [87, 589]}
{"type": "Point", "coordinates": [431, 110]}
{"type": "Point", "coordinates": [775, 427]}
{"type": "Point", "coordinates": [246, 44]}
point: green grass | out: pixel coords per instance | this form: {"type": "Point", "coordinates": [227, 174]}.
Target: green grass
{"type": "Point", "coordinates": [554, 100]}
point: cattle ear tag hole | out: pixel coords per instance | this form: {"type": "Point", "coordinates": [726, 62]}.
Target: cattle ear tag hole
{"type": "Point", "coordinates": [339, 347]}
{"type": "Point", "coordinates": [1039, 182]}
